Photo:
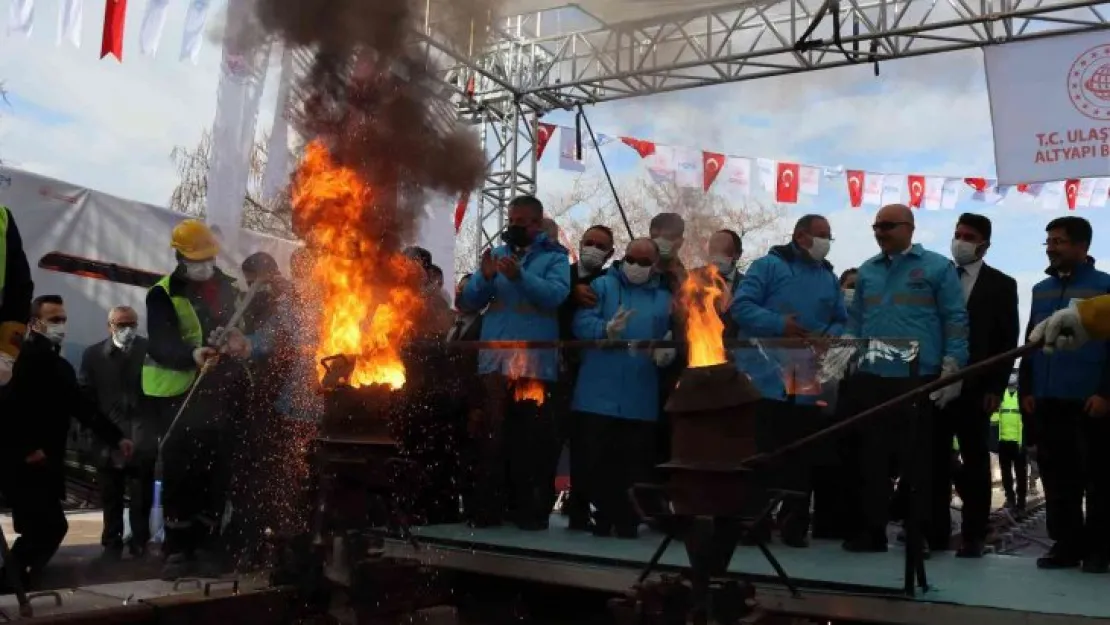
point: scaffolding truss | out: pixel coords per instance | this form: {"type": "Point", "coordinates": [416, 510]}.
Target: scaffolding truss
{"type": "Point", "coordinates": [535, 63]}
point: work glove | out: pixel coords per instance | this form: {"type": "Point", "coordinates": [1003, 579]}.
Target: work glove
{"type": "Point", "coordinates": [1062, 330]}
{"type": "Point", "coordinates": [664, 356]}
{"type": "Point", "coordinates": [945, 395]}
{"type": "Point", "coordinates": [834, 364]}
{"type": "Point", "coordinates": [7, 363]}
{"type": "Point", "coordinates": [618, 323]}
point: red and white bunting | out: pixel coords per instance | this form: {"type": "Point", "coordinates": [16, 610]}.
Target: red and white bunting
{"type": "Point", "coordinates": [711, 164]}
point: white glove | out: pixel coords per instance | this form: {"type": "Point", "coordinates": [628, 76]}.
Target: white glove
{"type": "Point", "coordinates": [834, 365]}
{"type": "Point", "coordinates": [7, 363]}
{"type": "Point", "coordinates": [618, 323]}
{"type": "Point", "coordinates": [945, 395]}
{"type": "Point", "coordinates": [237, 345]}
{"type": "Point", "coordinates": [664, 355]}
{"type": "Point", "coordinates": [1062, 330]}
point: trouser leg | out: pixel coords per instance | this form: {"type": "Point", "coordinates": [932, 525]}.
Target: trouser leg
{"type": "Point", "coordinates": [532, 458]}
{"type": "Point", "coordinates": [1061, 471]}
{"type": "Point", "coordinates": [940, 494]}
{"type": "Point", "coordinates": [1021, 473]}
{"type": "Point", "coordinates": [140, 489]}
{"type": "Point", "coordinates": [1007, 455]}
{"type": "Point", "coordinates": [490, 463]}
{"type": "Point", "coordinates": [972, 431]}
{"type": "Point", "coordinates": [1095, 431]}
{"type": "Point", "coordinates": [795, 476]}
{"type": "Point", "coordinates": [112, 482]}
{"type": "Point", "coordinates": [40, 521]}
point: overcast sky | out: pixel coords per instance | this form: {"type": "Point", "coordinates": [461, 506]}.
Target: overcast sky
{"type": "Point", "coordinates": [112, 126]}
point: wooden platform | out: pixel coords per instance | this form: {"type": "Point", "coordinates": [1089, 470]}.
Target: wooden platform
{"type": "Point", "coordinates": [835, 584]}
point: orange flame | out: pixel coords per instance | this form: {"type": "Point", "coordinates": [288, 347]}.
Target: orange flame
{"type": "Point", "coordinates": [700, 298]}
{"type": "Point", "coordinates": [369, 294]}
{"type": "Point", "coordinates": [525, 388]}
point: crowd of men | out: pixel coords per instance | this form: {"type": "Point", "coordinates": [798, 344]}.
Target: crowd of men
{"type": "Point", "coordinates": [144, 399]}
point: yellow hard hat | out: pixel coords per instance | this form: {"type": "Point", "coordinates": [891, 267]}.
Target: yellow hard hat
{"type": "Point", "coordinates": [194, 240]}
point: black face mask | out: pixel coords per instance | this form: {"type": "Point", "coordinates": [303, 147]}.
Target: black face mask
{"type": "Point", "coordinates": [516, 236]}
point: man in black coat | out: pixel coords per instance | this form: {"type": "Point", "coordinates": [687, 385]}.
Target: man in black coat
{"type": "Point", "coordinates": [111, 377]}
{"type": "Point", "coordinates": [16, 290]}
{"type": "Point", "coordinates": [35, 412]}
{"type": "Point", "coordinates": [992, 311]}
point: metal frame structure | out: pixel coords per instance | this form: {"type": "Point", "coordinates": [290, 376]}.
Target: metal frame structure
{"type": "Point", "coordinates": [525, 68]}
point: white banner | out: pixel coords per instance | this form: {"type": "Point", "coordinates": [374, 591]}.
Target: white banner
{"type": "Point", "coordinates": [68, 229]}
{"type": "Point", "coordinates": [1050, 104]}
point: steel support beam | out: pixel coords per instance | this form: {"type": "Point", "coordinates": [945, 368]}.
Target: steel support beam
{"type": "Point", "coordinates": [508, 134]}
{"type": "Point", "coordinates": [745, 41]}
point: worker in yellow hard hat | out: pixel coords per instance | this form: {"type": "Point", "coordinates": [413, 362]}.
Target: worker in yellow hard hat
{"type": "Point", "coordinates": [186, 310]}
{"type": "Point", "coordinates": [16, 291]}
{"type": "Point", "coordinates": [1072, 327]}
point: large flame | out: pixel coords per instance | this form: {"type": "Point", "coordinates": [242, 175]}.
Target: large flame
{"type": "Point", "coordinates": [369, 293]}
{"type": "Point", "coordinates": [525, 387]}
{"type": "Point", "coordinates": [701, 299]}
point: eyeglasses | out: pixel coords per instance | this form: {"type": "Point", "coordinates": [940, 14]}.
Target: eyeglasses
{"type": "Point", "coordinates": [887, 226]}
{"type": "Point", "coordinates": [642, 262]}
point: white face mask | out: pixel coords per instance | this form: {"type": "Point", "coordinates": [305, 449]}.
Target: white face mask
{"type": "Point", "coordinates": [724, 264]}
{"type": "Point", "coordinates": [635, 273]}
{"type": "Point", "coordinates": [591, 258]}
{"type": "Point", "coordinates": [820, 248]}
{"type": "Point", "coordinates": [963, 252]}
{"type": "Point", "coordinates": [666, 247]}
{"type": "Point", "coordinates": [56, 332]}
{"type": "Point", "coordinates": [200, 271]}
{"type": "Point", "coordinates": [123, 337]}
{"type": "Point", "coordinates": [849, 295]}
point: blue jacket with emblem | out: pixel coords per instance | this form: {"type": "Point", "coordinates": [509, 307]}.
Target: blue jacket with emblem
{"type": "Point", "coordinates": [522, 310]}
{"type": "Point", "coordinates": [618, 383]}
{"type": "Point", "coordinates": [915, 295]}
{"type": "Point", "coordinates": [1075, 374]}
{"type": "Point", "coordinates": [786, 282]}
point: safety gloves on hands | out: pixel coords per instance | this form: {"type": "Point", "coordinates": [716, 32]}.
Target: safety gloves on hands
{"type": "Point", "coordinates": [664, 356]}
{"type": "Point", "coordinates": [618, 323]}
{"type": "Point", "coordinates": [1063, 330]}
{"type": "Point", "coordinates": [945, 395]}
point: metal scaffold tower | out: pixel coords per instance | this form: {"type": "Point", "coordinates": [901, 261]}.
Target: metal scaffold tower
{"type": "Point", "coordinates": [547, 55]}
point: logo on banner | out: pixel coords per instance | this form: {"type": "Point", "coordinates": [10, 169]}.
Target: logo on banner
{"type": "Point", "coordinates": [1089, 83]}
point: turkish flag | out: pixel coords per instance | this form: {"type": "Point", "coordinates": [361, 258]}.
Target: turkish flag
{"type": "Point", "coordinates": [115, 12]}
{"type": "Point", "coordinates": [855, 187]}
{"type": "Point", "coordinates": [786, 183]}
{"type": "Point", "coordinates": [543, 135]}
{"type": "Point", "coordinates": [643, 148]}
{"type": "Point", "coordinates": [979, 184]}
{"type": "Point", "coordinates": [916, 186]}
{"type": "Point", "coordinates": [1071, 191]}
{"type": "Point", "coordinates": [711, 165]}
{"type": "Point", "coordinates": [460, 210]}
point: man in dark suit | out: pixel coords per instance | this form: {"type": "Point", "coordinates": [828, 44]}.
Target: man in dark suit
{"type": "Point", "coordinates": [111, 377]}
{"type": "Point", "coordinates": [992, 308]}
{"type": "Point", "coordinates": [594, 250]}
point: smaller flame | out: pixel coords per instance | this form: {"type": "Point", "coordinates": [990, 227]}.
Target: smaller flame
{"type": "Point", "coordinates": [700, 299]}
{"type": "Point", "coordinates": [525, 387]}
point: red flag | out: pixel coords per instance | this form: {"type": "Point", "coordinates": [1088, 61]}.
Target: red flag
{"type": "Point", "coordinates": [643, 148]}
{"type": "Point", "coordinates": [1071, 191]}
{"type": "Point", "coordinates": [711, 165]}
{"type": "Point", "coordinates": [786, 185]}
{"type": "Point", "coordinates": [979, 184]}
{"type": "Point", "coordinates": [1023, 188]}
{"type": "Point", "coordinates": [460, 210]}
{"type": "Point", "coordinates": [916, 186]}
{"type": "Point", "coordinates": [543, 135]}
{"type": "Point", "coordinates": [115, 12]}
{"type": "Point", "coordinates": [470, 86]}
{"type": "Point", "coordinates": [855, 187]}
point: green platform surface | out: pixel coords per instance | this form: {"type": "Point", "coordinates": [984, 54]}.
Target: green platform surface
{"type": "Point", "coordinates": [998, 582]}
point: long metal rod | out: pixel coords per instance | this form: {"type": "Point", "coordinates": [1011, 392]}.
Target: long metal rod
{"type": "Point", "coordinates": [637, 345]}
{"type": "Point", "coordinates": [605, 168]}
{"type": "Point", "coordinates": [968, 372]}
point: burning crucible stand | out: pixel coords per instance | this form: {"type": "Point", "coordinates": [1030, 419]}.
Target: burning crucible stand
{"type": "Point", "coordinates": [704, 503]}
{"type": "Point", "coordinates": [360, 484]}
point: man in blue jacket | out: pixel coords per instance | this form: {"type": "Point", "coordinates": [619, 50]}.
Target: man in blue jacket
{"type": "Point", "coordinates": [791, 292]}
{"type": "Point", "coordinates": [1068, 395]}
{"type": "Point", "coordinates": [905, 292]}
{"type": "Point", "coordinates": [521, 284]}
{"type": "Point", "coordinates": [617, 395]}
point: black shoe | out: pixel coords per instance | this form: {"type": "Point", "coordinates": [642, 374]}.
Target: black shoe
{"type": "Point", "coordinates": [1021, 507]}
{"type": "Point", "coordinates": [111, 554]}
{"type": "Point", "coordinates": [1058, 558]}
{"type": "Point", "coordinates": [1096, 564]}
{"type": "Point", "coordinates": [971, 549]}
{"type": "Point", "coordinates": [865, 543]}
{"type": "Point", "coordinates": [137, 551]}
{"type": "Point", "coordinates": [796, 540]}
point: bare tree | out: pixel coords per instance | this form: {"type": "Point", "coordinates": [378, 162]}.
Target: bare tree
{"type": "Point", "coordinates": [274, 217]}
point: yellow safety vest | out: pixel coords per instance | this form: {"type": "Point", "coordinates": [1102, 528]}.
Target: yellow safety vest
{"type": "Point", "coordinates": [159, 381]}
{"type": "Point", "coordinates": [1009, 419]}
{"type": "Point", "coordinates": [3, 249]}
